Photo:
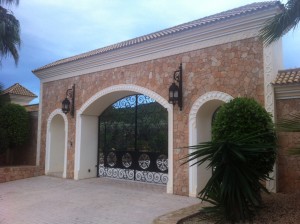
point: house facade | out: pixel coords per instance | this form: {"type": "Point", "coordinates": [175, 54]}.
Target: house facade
{"type": "Point", "coordinates": [222, 58]}
{"type": "Point", "coordinates": [18, 94]}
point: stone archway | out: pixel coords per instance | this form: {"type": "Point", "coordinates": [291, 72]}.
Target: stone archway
{"type": "Point", "coordinates": [56, 144]}
{"type": "Point", "coordinates": [87, 128]}
{"type": "Point", "coordinates": [200, 119]}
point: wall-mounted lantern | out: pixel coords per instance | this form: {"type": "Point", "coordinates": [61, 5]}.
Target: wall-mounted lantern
{"type": "Point", "coordinates": [175, 92]}
{"type": "Point", "coordinates": [68, 106]}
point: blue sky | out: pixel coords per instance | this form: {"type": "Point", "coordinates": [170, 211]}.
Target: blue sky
{"type": "Point", "coordinates": [56, 29]}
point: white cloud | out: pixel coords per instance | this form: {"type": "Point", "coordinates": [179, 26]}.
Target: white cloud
{"type": "Point", "coordinates": [54, 29]}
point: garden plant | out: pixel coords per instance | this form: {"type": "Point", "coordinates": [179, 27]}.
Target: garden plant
{"type": "Point", "coordinates": [242, 153]}
{"type": "Point", "coordinates": [14, 128]}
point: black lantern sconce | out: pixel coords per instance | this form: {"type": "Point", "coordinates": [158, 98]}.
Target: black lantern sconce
{"type": "Point", "coordinates": [175, 92]}
{"type": "Point", "coordinates": [66, 108]}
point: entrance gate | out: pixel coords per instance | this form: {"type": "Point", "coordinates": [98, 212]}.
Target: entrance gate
{"type": "Point", "coordinates": [133, 140]}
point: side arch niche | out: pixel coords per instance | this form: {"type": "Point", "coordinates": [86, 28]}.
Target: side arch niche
{"type": "Point", "coordinates": [56, 144]}
{"type": "Point", "coordinates": [200, 120]}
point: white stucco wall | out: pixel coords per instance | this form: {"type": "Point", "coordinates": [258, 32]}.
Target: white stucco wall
{"type": "Point", "coordinates": [89, 144]}
{"type": "Point", "coordinates": [57, 145]}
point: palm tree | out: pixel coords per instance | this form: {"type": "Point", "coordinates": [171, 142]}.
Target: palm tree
{"type": "Point", "coordinates": [9, 32]}
{"type": "Point", "coordinates": [283, 22]}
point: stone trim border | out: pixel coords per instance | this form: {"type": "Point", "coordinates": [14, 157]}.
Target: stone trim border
{"type": "Point", "coordinates": [179, 215]}
{"type": "Point", "coordinates": [130, 88]}
{"type": "Point", "coordinates": [272, 63]}
{"type": "Point", "coordinates": [11, 173]}
{"type": "Point", "coordinates": [47, 159]}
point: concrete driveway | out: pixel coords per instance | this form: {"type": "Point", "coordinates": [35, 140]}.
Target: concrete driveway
{"type": "Point", "coordinates": [43, 200]}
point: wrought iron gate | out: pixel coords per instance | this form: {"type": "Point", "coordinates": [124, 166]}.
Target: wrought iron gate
{"type": "Point", "coordinates": [133, 140]}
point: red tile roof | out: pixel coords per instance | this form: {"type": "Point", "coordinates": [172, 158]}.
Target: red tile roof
{"type": "Point", "coordinates": [290, 76]}
{"type": "Point", "coordinates": [17, 89]}
{"type": "Point", "coordinates": [226, 15]}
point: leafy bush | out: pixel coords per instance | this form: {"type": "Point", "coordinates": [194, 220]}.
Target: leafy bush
{"type": "Point", "coordinates": [3, 141]}
{"type": "Point", "coordinates": [14, 119]}
{"type": "Point", "coordinates": [242, 153]}
{"type": "Point", "coordinates": [241, 117]}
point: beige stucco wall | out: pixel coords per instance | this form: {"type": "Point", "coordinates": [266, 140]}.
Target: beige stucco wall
{"type": "Point", "coordinates": [234, 68]}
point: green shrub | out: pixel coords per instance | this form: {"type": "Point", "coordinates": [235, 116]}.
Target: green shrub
{"type": "Point", "coordinates": [14, 119]}
{"type": "Point", "coordinates": [241, 117]}
{"type": "Point", "coordinates": [3, 141]}
{"type": "Point", "coordinates": [242, 153]}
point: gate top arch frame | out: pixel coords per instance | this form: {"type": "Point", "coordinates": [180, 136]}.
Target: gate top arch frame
{"type": "Point", "coordinates": [109, 95]}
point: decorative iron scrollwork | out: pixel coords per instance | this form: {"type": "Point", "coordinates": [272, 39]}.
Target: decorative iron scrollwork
{"type": "Point", "coordinates": [127, 160]}
{"type": "Point", "coordinates": [144, 161]}
{"type": "Point", "coordinates": [133, 140]}
{"type": "Point", "coordinates": [162, 162]}
{"type": "Point", "coordinates": [111, 159]}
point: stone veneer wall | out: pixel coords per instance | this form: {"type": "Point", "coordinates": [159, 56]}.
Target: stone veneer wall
{"type": "Point", "coordinates": [288, 165]}
{"type": "Point", "coordinates": [18, 172]}
{"type": "Point", "coordinates": [235, 68]}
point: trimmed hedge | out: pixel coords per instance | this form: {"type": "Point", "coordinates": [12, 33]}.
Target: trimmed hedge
{"type": "Point", "coordinates": [241, 117]}
{"type": "Point", "coordinates": [14, 119]}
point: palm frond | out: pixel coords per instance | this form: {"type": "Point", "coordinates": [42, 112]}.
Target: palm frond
{"type": "Point", "coordinates": [9, 35]}
{"type": "Point", "coordinates": [9, 2]}
{"type": "Point", "coordinates": [234, 187]}
{"type": "Point", "coordinates": [280, 24]}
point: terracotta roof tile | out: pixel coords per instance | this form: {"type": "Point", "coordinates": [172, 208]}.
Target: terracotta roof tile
{"type": "Point", "coordinates": [17, 89]}
{"type": "Point", "coordinates": [244, 10]}
{"type": "Point", "coordinates": [291, 76]}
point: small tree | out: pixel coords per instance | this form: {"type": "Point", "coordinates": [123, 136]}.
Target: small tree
{"type": "Point", "coordinates": [241, 117]}
{"type": "Point", "coordinates": [241, 153]}
{"type": "Point", "coordinates": [14, 122]}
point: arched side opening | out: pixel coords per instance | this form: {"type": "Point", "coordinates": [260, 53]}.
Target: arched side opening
{"type": "Point", "coordinates": [87, 128]}
{"type": "Point", "coordinates": [56, 145]}
{"type": "Point", "coordinates": [200, 121]}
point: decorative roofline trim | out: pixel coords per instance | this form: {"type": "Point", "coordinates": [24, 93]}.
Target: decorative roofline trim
{"type": "Point", "coordinates": [196, 24]}
{"type": "Point", "coordinates": [219, 33]}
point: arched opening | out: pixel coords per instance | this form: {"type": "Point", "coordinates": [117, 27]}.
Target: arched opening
{"type": "Point", "coordinates": [204, 127]}
{"type": "Point", "coordinates": [200, 127]}
{"type": "Point", "coordinates": [133, 140]}
{"type": "Point", "coordinates": [56, 146]}
{"type": "Point", "coordinates": [87, 128]}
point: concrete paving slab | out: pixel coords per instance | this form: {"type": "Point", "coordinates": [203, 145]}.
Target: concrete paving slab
{"type": "Point", "coordinates": [50, 200]}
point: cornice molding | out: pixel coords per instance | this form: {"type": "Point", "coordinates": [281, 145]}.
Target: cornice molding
{"type": "Point", "coordinates": [287, 92]}
{"type": "Point", "coordinates": [218, 33]}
